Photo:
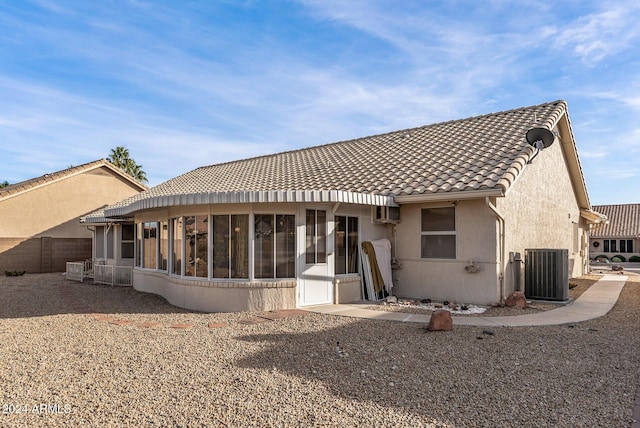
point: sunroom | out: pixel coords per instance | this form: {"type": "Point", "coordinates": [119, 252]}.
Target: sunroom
{"type": "Point", "coordinates": [252, 256]}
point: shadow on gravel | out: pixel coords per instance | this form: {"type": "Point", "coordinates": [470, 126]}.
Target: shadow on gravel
{"type": "Point", "coordinates": [38, 295]}
{"type": "Point", "coordinates": [529, 375]}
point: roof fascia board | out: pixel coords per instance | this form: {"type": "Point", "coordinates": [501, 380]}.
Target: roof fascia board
{"type": "Point", "coordinates": [104, 220]}
{"type": "Point", "coordinates": [55, 180]}
{"type": "Point", "coordinates": [593, 216]}
{"type": "Point", "coordinates": [270, 196]}
{"type": "Point", "coordinates": [439, 197]}
{"type": "Point", "coordinates": [124, 175]}
{"type": "Point", "coordinates": [570, 151]}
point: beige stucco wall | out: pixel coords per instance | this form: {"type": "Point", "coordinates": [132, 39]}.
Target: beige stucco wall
{"type": "Point", "coordinates": [444, 279]}
{"type": "Point", "coordinates": [55, 209]}
{"type": "Point", "coordinates": [40, 228]}
{"type": "Point", "coordinates": [539, 211]}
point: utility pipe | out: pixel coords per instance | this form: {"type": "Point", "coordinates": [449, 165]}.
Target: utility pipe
{"type": "Point", "coordinates": [501, 227]}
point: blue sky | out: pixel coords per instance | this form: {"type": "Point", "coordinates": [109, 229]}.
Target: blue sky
{"type": "Point", "coordinates": [192, 83]}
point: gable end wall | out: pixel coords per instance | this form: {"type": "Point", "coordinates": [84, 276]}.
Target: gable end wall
{"type": "Point", "coordinates": [540, 211]}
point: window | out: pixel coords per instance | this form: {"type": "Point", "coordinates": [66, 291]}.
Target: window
{"type": "Point", "coordinates": [230, 250]}
{"type": "Point", "coordinates": [611, 245]}
{"type": "Point", "coordinates": [316, 236]}
{"type": "Point", "coordinates": [110, 242]}
{"type": "Point", "coordinates": [264, 246]}
{"type": "Point", "coordinates": [346, 236]}
{"type": "Point", "coordinates": [100, 242]}
{"type": "Point", "coordinates": [274, 253]}
{"type": "Point", "coordinates": [196, 233]}
{"type": "Point", "coordinates": [438, 236]}
{"type": "Point", "coordinates": [239, 246]}
{"type": "Point", "coordinates": [626, 245]}
{"type": "Point", "coordinates": [285, 246]}
{"type": "Point", "coordinates": [150, 245]}
{"type": "Point", "coordinates": [163, 249]}
{"type": "Point", "coordinates": [139, 229]}
{"type": "Point", "coordinates": [176, 265]}
{"type": "Point", "coordinates": [127, 237]}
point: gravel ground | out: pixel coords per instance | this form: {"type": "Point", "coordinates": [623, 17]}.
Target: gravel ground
{"type": "Point", "coordinates": [62, 366]}
{"type": "Point", "coordinates": [410, 306]}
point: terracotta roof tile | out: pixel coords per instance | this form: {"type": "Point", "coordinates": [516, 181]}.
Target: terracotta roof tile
{"type": "Point", "coordinates": [478, 153]}
{"type": "Point", "coordinates": [624, 221]}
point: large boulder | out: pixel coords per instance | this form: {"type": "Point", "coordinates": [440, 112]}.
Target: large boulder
{"type": "Point", "coordinates": [440, 321]}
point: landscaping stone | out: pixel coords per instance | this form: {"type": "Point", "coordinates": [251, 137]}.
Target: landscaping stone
{"type": "Point", "coordinates": [440, 321]}
{"type": "Point", "coordinates": [516, 299]}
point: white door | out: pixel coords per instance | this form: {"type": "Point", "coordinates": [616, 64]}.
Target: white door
{"type": "Point", "coordinates": [316, 270]}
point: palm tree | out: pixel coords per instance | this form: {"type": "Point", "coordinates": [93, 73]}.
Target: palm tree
{"type": "Point", "coordinates": [120, 158]}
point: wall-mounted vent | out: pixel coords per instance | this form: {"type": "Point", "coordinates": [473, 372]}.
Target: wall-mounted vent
{"type": "Point", "coordinates": [385, 214]}
{"type": "Point", "coordinates": [546, 273]}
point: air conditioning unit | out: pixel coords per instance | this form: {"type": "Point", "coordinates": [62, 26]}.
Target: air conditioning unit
{"type": "Point", "coordinates": [385, 214]}
{"type": "Point", "coordinates": [546, 274]}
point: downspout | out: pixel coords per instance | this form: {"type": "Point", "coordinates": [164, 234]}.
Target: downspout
{"type": "Point", "coordinates": [501, 227]}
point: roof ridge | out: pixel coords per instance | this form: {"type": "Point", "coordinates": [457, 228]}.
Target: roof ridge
{"type": "Point", "coordinates": [13, 188]}
{"type": "Point", "coordinates": [24, 185]}
{"type": "Point", "coordinates": [483, 153]}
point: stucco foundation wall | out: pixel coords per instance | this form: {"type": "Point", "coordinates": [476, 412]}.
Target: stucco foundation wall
{"type": "Point", "coordinates": [347, 289]}
{"type": "Point", "coordinates": [540, 211]}
{"type": "Point", "coordinates": [440, 279]}
{"type": "Point", "coordinates": [210, 296]}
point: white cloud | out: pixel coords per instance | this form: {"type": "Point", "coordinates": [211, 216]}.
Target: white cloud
{"type": "Point", "coordinates": [599, 35]}
{"type": "Point", "coordinates": [182, 87]}
{"type": "Point", "coordinates": [594, 154]}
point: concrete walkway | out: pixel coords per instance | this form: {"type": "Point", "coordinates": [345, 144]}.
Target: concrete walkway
{"type": "Point", "coordinates": [593, 303]}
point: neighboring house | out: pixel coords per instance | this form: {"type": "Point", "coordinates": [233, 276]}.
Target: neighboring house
{"type": "Point", "coordinates": [39, 229]}
{"type": "Point", "coordinates": [459, 201]}
{"type": "Point", "coordinates": [621, 236]}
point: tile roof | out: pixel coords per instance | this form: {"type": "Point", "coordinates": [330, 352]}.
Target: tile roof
{"type": "Point", "coordinates": [483, 153]}
{"type": "Point", "coordinates": [14, 189]}
{"type": "Point", "coordinates": [624, 221]}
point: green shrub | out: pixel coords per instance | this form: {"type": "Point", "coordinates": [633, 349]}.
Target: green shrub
{"type": "Point", "coordinates": [618, 258]}
{"type": "Point", "coordinates": [634, 259]}
{"type": "Point", "coordinates": [601, 257]}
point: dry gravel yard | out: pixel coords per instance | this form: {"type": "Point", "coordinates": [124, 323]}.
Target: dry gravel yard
{"type": "Point", "coordinates": [62, 365]}
{"type": "Point", "coordinates": [414, 306]}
